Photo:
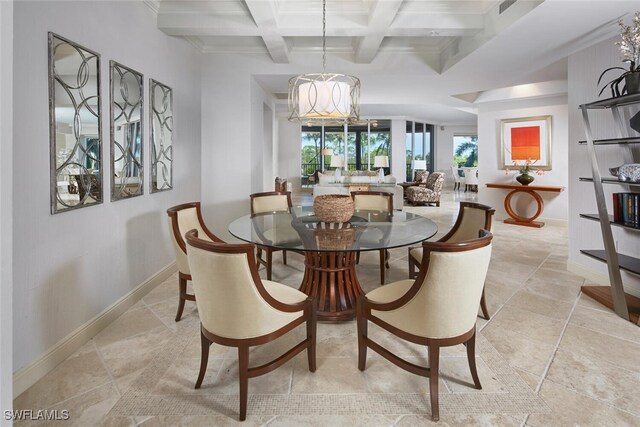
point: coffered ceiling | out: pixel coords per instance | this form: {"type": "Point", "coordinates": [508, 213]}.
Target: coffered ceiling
{"type": "Point", "coordinates": [428, 59]}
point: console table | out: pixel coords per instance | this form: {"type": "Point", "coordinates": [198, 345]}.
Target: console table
{"type": "Point", "coordinates": [531, 190]}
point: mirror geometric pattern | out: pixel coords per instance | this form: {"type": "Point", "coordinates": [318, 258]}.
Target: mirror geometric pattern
{"type": "Point", "coordinates": [161, 137]}
{"type": "Point", "coordinates": [126, 132]}
{"type": "Point", "coordinates": [76, 143]}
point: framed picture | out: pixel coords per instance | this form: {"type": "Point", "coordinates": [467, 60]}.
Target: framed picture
{"type": "Point", "coordinates": [526, 139]}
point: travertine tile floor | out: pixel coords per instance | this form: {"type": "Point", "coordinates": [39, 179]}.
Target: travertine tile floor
{"type": "Point", "coordinates": [580, 358]}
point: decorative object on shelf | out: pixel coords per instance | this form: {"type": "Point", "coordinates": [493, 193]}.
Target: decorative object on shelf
{"type": "Point", "coordinates": [161, 136]}
{"type": "Point", "coordinates": [324, 98]}
{"type": "Point", "coordinates": [126, 132]}
{"type": "Point", "coordinates": [627, 173]}
{"type": "Point", "coordinates": [526, 139]}
{"type": "Point", "coordinates": [525, 179]}
{"type": "Point", "coordinates": [333, 207]}
{"type": "Point", "coordinates": [74, 125]}
{"type": "Point", "coordinates": [381, 162]}
{"type": "Point", "coordinates": [630, 48]}
{"type": "Point", "coordinates": [634, 122]}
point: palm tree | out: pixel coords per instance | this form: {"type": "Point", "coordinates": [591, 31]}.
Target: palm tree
{"type": "Point", "coordinates": [472, 148]}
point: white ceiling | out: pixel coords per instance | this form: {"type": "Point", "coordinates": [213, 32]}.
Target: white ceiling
{"type": "Point", "coordinates": [461, 47]}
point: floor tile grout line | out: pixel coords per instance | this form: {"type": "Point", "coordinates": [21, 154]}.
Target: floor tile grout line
{"type": "Point", "coordinates": [513, 294]}
{"type": "Point", "coordinates": [78, 395]}
{"type": "Point", "coordinates": [160, 318]}
{"type": "Point", "coordinates": [553, 354]}
{"type": "Point", "coordinates": [106, 367]}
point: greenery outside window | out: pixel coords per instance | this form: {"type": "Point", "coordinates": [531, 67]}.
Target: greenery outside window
{"type": "Point", "coordinates": [465, 150]}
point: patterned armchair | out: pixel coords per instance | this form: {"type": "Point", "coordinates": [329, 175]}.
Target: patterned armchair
{"type": "Point", "coordinates": [430, 193]}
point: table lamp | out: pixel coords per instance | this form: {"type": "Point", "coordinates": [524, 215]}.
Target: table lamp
{"type": "Point", "coordinates": [337, 162]}
{"type": "Point", "coordinates": [381, 162]}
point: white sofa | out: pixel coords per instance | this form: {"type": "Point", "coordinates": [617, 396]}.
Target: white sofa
{"type": "Point", "coordinates": [328, 184]}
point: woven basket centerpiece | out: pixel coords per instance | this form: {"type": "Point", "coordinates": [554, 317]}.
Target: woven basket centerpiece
{"type": "Point", "coordinates": [333, 207]}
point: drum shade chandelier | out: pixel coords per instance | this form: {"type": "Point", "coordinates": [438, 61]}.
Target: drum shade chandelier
{"type": "Point", "coordinates": [324, 98]}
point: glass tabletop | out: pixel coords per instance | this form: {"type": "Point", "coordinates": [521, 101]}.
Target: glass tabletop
{"type": "Point", "coordinates": [301, 230]}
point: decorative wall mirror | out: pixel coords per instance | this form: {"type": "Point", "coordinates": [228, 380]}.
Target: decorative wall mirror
{"type": "Point", "coordinates": [161, 136]}
{"type": "Point", "coordinates": [126, 132]}
{"type": "Point", "coordinates": [74, 125]}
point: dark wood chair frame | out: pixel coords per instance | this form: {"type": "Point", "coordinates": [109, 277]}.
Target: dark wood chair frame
{"type": "Point", "coordinates": [384, 253]}
{"type": "Point", "coordinates": [363, 314]}
{"type": "Point", "coordinates": [489, 211]}
{"type": "Point", "coordinates": [183, 277]}
{"type": "Point", "coordinates": [267, 262]}
{"type": "Point", "coordinates": [308, 308]}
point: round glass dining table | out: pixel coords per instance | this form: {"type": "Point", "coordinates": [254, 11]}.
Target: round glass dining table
{"type": "Point", "coordinates": [330, 249]}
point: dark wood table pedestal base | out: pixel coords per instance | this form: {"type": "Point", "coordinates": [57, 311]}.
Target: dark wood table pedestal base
{"type": "Point", "coordinates": [330, 277]}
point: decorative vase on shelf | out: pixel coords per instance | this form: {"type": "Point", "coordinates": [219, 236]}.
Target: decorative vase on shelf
{"type": "Point", "coordinates": [632, 82]}
{"type": "Point", "coordinates": [525, 179]}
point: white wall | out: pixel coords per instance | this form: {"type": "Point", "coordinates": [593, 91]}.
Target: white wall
{"type": "Point", "coordinates": [584, 69]}
{"type": "Point", "coordinates": [289, 151]}
{"type": "Point", "coordinates": [71, 266]}
{"type": "Point", "coordinates": [489, 146]}
{"type": "Point", "coordinates": [6, 217]}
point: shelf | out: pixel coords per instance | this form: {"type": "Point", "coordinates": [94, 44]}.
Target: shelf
{"type": "Point", "coordinates": [627, 263]}
{"type": "Point", "coordinates": [611, 180]}
{"type": "Point", "coordinates": [613, 141]}
{"type": "Point", "coordinates": [595, 217]}
{"type": "Point", "coordinates": [613, 102]}
{"type": "Point", "coordinates": [602, 294]}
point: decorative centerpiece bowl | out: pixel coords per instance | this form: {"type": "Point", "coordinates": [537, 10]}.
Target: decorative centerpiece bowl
{"type": "Point", "coordinates": [333, 207]}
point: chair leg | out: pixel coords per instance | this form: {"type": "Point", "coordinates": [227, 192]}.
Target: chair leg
{"type": "Point", "coordinates": [471, 356]}
{"type": "Point", "coordinates": [412, 267]}
{"type": "Point", "coordinates": [284, 257]}
{"type": "Point", "coordinates": [434, 363]}
{"type": "Point", "coordinates": [311, 335]}
{"type": "Point", "coordinates": [361, 322]}
{"type": "Point", "coordinates": [204, 358]}
{"type": "Point", "coordinates": [269, 266]}
{"type": "Point", "coordinates": [387, 254]}
{"type": "Point", "coordinates": [483, 306]}
{"type": "Point", "coordinates": [358, 257]}
{"type": "Point", "coordinates": [243, 363]}
{"type": "Point", "coordinates": [182, 284]}
{"type": "Point", "coordinates": [382, 262]}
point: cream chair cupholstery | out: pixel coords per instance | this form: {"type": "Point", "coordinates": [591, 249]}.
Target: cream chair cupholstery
{"type": "Point", "coordinates": [183, 218]}
{"type": "Point", "coordinates": [238, 309]}
{"type": "Point", "coordinates": [374, 201]}
{"type": "Point", "coordinates": [437, 309]}
{"type": "Point", "coordinates": [472, 217]}
{"type": "Point", "coordinates": [269, 202]}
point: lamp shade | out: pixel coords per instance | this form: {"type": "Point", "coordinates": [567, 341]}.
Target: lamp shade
{"type": "Point", "coordinates": [337, 161]}
{"type": "Point", "coordinates": [327, 152]}
{"type": "Point", "coordinates": [381, 162]}
{"type": "Point", "coordinates": [419, 165]}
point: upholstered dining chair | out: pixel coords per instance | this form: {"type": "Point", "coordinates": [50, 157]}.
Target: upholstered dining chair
{"type": "Point", "coordinates": [267, 202]}
{"type": "Point", "coordinates": [437, 309]}
{"type": "Point", "coordinates": [237, 309]}
{"type": "Point", "coordinates": [457, 179]}
{"type": "Point", "coordinates": [380, 201]}
{"type": "Point", "coordinates": [471, 218]}
{"type": "Point", "coordinates": [183, 218]}
{"type": "Point", "coordinates": [471, 179]}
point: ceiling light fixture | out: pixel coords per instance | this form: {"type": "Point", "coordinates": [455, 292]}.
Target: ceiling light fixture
{"type": "Point", "coordinates": [324, 98]}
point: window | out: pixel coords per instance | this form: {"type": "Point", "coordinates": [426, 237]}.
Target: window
{"type": "Point", "coordinates": [364, 141]}
{"type": "Point", "coordinates": [419, 146]}
{"type": "Point", "coordinates": [465, 150]}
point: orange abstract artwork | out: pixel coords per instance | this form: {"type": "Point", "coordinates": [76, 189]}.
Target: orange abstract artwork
{"type": "Point", "coordinates": [525, 143]}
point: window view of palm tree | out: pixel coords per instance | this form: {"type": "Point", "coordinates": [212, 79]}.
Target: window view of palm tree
{"type": "Point", "coordinates": [465, 150]}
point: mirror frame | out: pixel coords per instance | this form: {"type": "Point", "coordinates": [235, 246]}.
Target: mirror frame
{"type": "Point", "coordinates": [116, 188]}
{"type": "Point", "coordinates": [163, 120]}
{"type": "Point", "coordinates": [53, 126]}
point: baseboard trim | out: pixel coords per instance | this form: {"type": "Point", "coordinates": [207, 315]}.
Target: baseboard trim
{"type": "Point", "coordinates": [30, 374]}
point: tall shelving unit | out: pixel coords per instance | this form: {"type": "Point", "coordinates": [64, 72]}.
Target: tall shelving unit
{"type": "Point", "coordinates": [625, 305]}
